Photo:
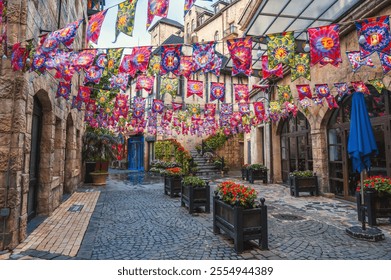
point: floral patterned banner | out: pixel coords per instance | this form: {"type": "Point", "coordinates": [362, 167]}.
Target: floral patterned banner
{"type": "Point", "coordinates": [204, 58]}
{"type": "Point", "coordinates": [217, 91]}
{"type": "Point", "coordinates": [154, 65]}
{"type": "Point", "coordinates": [125, 18]}
{"type": "Point", "coordinates": [240, 50]}
{"type": "Point", "coordinates": [157, 8]}
{"type": "Point", "coordinates": [93, 75]}
{"type": "Point", "coordinates": [226, 109]}
{"type": "Point", "coordinates": [121, 101]}
{"type": "Point", "coordinates": [195, 87]}
{"type": "Point", "coordinates": [267, 72]}
{"type": "Point", "coordinates": [186, 67]}
{"type": "Point", "coordinates": [176, 106]}
{"type": "Point", "coordinates": [145, 82]}
{"type": "Point", "coordinates": [331, 102]}
{"type": "Point", "coordinates": [360, 87]}
{"type": "Point", "coordinates": [244, 108]}
{"type": "Point", "coordinates": [120, 81]}
{"type": "Point", "coordinates": [210, 110]}
{"type": "Point", "coordinates": [376, 32]}
{"type": "Point", "coordinates": [101, 60]}
{"type": "Point", "coordinates": [138, 107]}
{"type": "Point", "coordinates": [76, 103]}
{"type": "Point", "coordinates": [385, 61]}
{"type": "Point", "coordinates": [193, 109]}
{"type": "Point", "coordinates": [304, 91]}
{"type": "Point", "coordinates": [301, 67]}
{"type": "Point", "coordinates": [377, 84]}
{"type": "Point", "coordinates": [325, 45]}
{"type": "Point", "coordinates": [18, 57]}
{"type": "Point", "coordinates": [242, 93]}
{"type": "Point", "coordinates": [170, 86]}
{"type": "Point", "coordinates": [84, 93]}
{"type": "Point", "coordinates": [259, 110]}
{"type": "Point", "coordinates": [322, 90]}
{"type": "Point", "coordinates": [157, 106]}
{"type": "Point", "coordinates": [356, 62]}
{"type": "Point", "coordinates": [281, 49]}
{"type": "Point", "coordinates": [342, 89]}
{"type": "Point", "coordinates": [67, 35]}
{"type": "Point", "coordinates": [113, 61]}
{"type": "Point", "coordinates": [284, 94]}
{"type": "Point", "coordinates": [170, 59]}
{"type": "Point", "coordinates": [103, 97]}
{"type": "Point", "coordinates": [94, 26]}
{"type": "Point", "coordinates": [64, 90]}
{"type": "Point", "coordinates": [82, 59]}
{"type": "Point", "coordinates": [188, 5]}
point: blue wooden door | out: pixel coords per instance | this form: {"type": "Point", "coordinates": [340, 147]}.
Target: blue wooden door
{"type": "Point", "coordinates": [136, 153]}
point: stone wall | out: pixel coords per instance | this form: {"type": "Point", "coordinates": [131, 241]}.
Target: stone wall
{"type": "Point", "coordinates": [232, 151]}
{"type": "Point", "coordinates": [17, 92]}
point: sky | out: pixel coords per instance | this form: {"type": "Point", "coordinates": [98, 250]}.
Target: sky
{"type": "Point", "coordinates": [140, 37]}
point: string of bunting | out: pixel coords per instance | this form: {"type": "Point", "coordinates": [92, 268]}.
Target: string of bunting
{"type": "Point", "coordinates": [110, 67]}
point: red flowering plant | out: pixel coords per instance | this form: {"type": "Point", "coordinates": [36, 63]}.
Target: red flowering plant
{"type": "Point", "coordinates": [174, 172]}
{"type": "Point", "coordinates": [378, 183]}
{"type": "Point", "coordinates": [236, 194]}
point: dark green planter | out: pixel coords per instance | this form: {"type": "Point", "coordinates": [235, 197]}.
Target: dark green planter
{"type": "Point", "coordinates": [376, 205]}
{"type": "Point", "coordinates": [260, 174]}
{"type": "Point", "coordinates": [194, 197]}
{"type": "Point", "coordinates": [241, 224]}
{"type": "Point", "coordinates": [244, 174]}
{"type": "Point", "coordinates": [303, 184]}
{"type": "Point", "coordinates": [172, 185]}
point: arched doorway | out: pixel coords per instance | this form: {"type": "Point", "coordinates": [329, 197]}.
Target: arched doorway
{"type": "Point", "coordinates": [70, 154]}
{"type": "Point", "coordinates": [36, 132]}
{"type": "Point", "coordinates": [342, 180]}
{"type": "Point", "coordinates": [296, 145]}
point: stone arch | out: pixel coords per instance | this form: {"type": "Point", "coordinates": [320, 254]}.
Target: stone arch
{"type": "Point", "coordinates": [46, 150]}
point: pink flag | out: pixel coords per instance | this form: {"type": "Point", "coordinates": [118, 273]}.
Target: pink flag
{"type": "Point", "coordinates": [195, 87]}
{"type": "Point", "coordinates": [361, 87]}
{"type": "Point", "coordinates": [241, 93]}
{"type": "Point", "coordinates": [94, 26]}
{"type": "Point", "coordinates": [145, 82]}
{"type": "Point", "coordinates": [157, 8]}
{"type": "Point", "coordinates": [241, 55]}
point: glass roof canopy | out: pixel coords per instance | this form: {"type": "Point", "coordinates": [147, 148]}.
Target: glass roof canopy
{"type": "Point", "coordinates": [276, 16]}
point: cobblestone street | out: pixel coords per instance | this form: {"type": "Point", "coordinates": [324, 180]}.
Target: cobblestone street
{"type": "Point", "coordinates": [133, 219]}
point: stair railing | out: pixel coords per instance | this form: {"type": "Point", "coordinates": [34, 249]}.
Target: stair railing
{"type": "Point", "coordinates": [205, 148]}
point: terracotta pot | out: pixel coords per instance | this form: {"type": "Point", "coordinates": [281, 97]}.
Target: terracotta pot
{"type": "Point", "coordinates": [99, 178]}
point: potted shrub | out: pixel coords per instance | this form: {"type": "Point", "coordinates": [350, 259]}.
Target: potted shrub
{"type": "Point", "coordinates": [244, 171]}
{"type": "Point", "coordinates": [257, 171]}
{"type": "Point", "coordinates": [172, 181]}
{"type": "Point", "coordinates": [377, 198]}
{"type": "Point", "coordinates": [195, 193]}
{"type": "Point", "coordinates": [303, 181]}
{"type": "Point", "coordinates": [99, 147]}
{"type": "Point", "coordinates": [236, 213]}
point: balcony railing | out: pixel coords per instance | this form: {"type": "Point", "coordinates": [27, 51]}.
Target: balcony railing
{"type": "Point", "coordinates": [231, 32]}
{"type": "Point", "coordinates": [95, 6]}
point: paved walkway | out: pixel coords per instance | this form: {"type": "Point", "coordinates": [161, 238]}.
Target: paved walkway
{"type": "Point", "coordinates": [133, 219]}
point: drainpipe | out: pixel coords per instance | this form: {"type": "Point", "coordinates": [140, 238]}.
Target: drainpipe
{"type": "Point", "coordinates": [271, 147]}
{"type": "Point", "coordinates": [59, 14]}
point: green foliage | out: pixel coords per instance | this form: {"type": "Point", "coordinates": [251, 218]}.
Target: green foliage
{"type": "Point", "coordinates": [171, 150]}
{"type": "Point", "coordinates": [216, 141]}
{"type": "Point", "coordinates": [256, 166]}
{"type": "Point", "coordinates": [302, 174]}
{"type": "Point", "coordinates": [99, 144]}
{"type": "Point", "coordinates": [194, 181]}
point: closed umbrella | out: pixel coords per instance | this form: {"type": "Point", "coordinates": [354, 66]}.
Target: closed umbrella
{"type": "Point", "coordinates": [361, 142]}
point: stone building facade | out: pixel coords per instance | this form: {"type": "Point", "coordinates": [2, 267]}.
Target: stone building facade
{"type": "Point", "coordinates": [40, 136]}
{"type": "Point", "coordinates": [318, 140]}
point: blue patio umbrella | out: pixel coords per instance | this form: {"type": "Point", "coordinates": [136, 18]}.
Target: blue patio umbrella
{"type": "Point", "coordinates": [361, 142]}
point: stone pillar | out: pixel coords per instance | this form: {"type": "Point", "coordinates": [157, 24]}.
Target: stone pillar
{"type": "Point", "coordinates": [320, 160]}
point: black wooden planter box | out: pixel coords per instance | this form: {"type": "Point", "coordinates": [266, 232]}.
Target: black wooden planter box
{"type": "Point", "coordinates": [172, 185]}
{"type": "Point", "coordinates": [241, 224]}
{"type": "Point", "coordinates": [303, 184]}
{"type": "Point", "coordinates": [194, 197]}
{"type": "Point", "coordinates": [377, 206]}
{"type": "Point", "coordinates": [244, 174]}
{"type": "Point", "coordinates": [260, 174]}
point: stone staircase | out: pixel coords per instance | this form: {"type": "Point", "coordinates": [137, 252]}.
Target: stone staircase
{"type": "Point", "coordinates": [204, 168]}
